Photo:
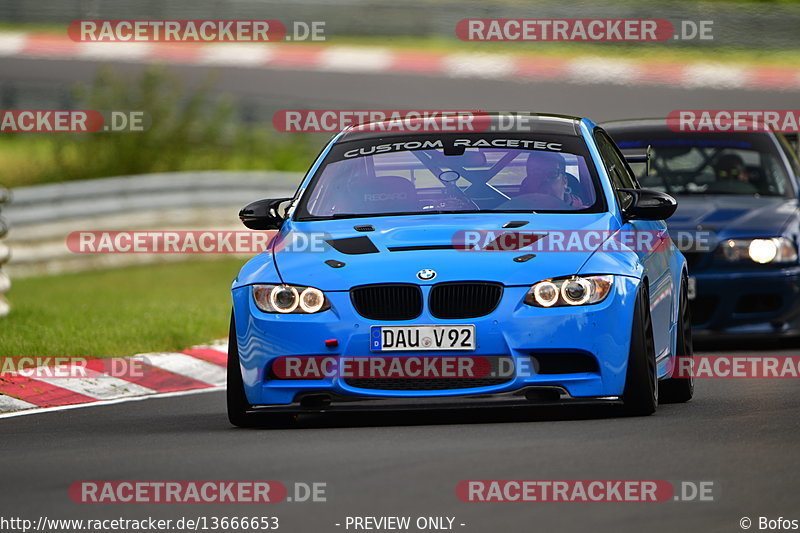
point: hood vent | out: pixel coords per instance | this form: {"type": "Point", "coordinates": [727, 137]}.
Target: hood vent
{"type": "Point", "coordinates": [510, 241]}
{"type": "Point", "coordinates": [515, 224]}
{"type": "Point", "coordinates": [353, 245]}
{"type": "Point", "coordinates": [418, 247]}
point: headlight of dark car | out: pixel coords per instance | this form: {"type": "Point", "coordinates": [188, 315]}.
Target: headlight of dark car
{"type": "Point", "coordinates": [289, 299]}
{"type": "Point", "coordinates": [772, 250]}
{"type": "Point", "coordinates": [571, 291]}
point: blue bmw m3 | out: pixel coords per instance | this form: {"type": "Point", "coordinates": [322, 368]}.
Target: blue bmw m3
{"type": "Point", "coordinates": [515, 264]}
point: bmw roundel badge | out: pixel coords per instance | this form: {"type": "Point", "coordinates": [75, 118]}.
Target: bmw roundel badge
{"type": "Point", "coordinates": [426, 274]}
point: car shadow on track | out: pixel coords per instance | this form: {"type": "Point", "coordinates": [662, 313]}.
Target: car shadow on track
{"type": "Point", "coordinates": [446, 417]}
{"type": "Point", "coordinates": [751, 345]}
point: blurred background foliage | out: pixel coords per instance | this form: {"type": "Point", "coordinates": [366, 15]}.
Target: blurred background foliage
{"type": "Point", "coordinates": [188, 131]}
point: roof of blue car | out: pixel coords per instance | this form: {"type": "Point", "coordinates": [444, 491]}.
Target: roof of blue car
{"type": "Point", "coordinates": [499, 123]}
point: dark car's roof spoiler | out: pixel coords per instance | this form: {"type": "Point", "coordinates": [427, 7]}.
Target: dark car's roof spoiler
{"type": "Point", "coordinates": [638, 155]}
{"type": "Point", "coordinates": [792, 137]}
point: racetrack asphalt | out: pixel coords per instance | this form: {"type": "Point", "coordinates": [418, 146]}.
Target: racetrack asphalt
{"type": "Point", "coordinates": [295, 89]}
{"type": "Point", "coordinates": [742, 434]}
{"type": "Point", "coordinates": [739, 433]}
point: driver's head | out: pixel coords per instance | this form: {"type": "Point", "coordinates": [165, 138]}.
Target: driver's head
{"type": "Point", "coordinates": [548, 172]}
{"type": "Point", "coordinates": [730, 167]}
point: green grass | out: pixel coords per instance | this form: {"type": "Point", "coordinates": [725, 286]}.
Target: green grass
{"type": "Point", "coordinates": [31, 159]}
{"type": "Point", "coordinates": [188, 131]}
{"type": "Point", "coordinates": [164, 307]}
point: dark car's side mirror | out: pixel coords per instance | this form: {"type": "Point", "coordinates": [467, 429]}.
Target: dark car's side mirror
{"type": "Point", "coordinates": [264, 214]}
{"type": "Point", "coordinates": [646, 204]}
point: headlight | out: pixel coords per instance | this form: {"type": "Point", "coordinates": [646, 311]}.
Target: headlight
{"type": "Point", "coordinates": [763, 251]}
{"type": "Point", "coordinates": [289, 299]}
{"type": "Point", "coordinates": [575, 290]}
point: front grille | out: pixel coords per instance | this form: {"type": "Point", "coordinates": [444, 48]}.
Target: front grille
{"type": "Point", "coordinates": [500, 370]}
{"type": "Point", "coordinates": [397, 301]}
{"type": "Point", "coordinates": [759, 303]}
{"type": "Point", "coordinates": [464, 299]}
{"type": "Point", "coordinates": [423, 384]}
{"type": "Point", "coordinates": [702, 309]}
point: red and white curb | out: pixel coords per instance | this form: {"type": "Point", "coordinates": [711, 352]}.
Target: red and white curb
{"type": "Point", "coordinates": [332, 58]}
{"type": "Point", "coordinates": [198, 369]}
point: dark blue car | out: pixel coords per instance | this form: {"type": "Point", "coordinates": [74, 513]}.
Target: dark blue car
{"type": "Point", "coordinates": [737, 222]}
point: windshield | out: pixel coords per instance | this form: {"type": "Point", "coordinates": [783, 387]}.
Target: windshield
{"type": "Point", "coordinates": [682, 164]}
{"type": "Point", "coordinates": [456, 173]}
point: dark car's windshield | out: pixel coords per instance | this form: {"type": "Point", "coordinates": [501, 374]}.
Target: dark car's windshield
{"type": "Point", "coordinates": [453, 173]}
{"type": "Point", "coordinates": [711, 163]}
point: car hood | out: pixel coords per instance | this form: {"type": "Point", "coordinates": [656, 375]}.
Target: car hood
{"type": "Point", "coordinates": [725, 217]}
{"type": "Point", "coordinates": [401, 246]}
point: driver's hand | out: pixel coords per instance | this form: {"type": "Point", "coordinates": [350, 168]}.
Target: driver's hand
{"type": "Point", "coordinates": [573, 201]}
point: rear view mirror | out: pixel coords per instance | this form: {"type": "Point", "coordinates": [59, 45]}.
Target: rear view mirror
{"type": "Point", "coordinates": [647, 204]}
{"type": "Point", "coordinates": [264, 214]}
{"type": "Point", "coordinates": [468, 159]}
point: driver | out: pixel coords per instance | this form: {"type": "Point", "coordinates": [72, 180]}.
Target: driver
{"type": "Point", "coordinates": [547, 175]}
{"type": "Point", "coordinates": [731, 167]}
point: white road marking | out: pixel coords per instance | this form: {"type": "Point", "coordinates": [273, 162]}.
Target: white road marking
{"type": "Point", "coordinates": [100, 386]}
{"type": "Point", "coordinates": [479, 65]}
{"type": "Point", "coordinates": [7, 404]}
{"type": "Point", "coordinates": [218, 345]}
{"type": "Point", "coordinates": [713, 75]}
{"type": "Point", "coordinates": [599, 70]}
{"type": "Point", "coordinates": [12, 44]}
{"type": "Point", "coordinates": [355, 59]}
{"type": "Point", "coordinates": [186, 365]}
{"type": "Point", "coordinates": [230, 54]}
{"type": "Point", "coordinates": [41, 410]}
{"type": "Point", "coordinates": [114, 51]}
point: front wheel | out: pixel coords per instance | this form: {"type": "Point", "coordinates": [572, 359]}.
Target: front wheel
{"type": "Point", "coordinates": [238, 405]}
{"type": "Point", "coordinates": [640, 396]}
{"type": "Point", "coordinates": [681, 389]}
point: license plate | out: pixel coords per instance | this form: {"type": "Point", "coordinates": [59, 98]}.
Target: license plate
{"type": "Point", "coordinates": [421, 338]}
{"type": "Point", "coordinates": [691, 288]}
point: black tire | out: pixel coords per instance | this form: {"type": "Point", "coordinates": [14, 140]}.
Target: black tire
{"type": "Point", "coordinates": [640, 397]}
{"type": "Point", "coordinates": [237, 400]}
{"type": "Point", "coordinates": [238, 405]}
{"type": "Point", "coordinates": [680, 390]}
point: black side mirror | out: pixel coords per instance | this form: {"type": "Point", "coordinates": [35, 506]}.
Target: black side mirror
{"type": "Point", "coordinates": [264, 214]}
{"type": "Point", "coordinates": [646, 204]}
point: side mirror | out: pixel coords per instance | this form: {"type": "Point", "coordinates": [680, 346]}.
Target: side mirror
{"type": "Point", "coordinates": [264, 214]}
{"type": "Point", "coordinates": [646, 204]}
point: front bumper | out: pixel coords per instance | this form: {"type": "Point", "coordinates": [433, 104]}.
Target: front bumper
{"type": "Point", "coordinates": [748, 303]}
{"type": "Point", "coordinates": [327, 402]}
{"type": "Point", "coordinates": [512, 330]}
